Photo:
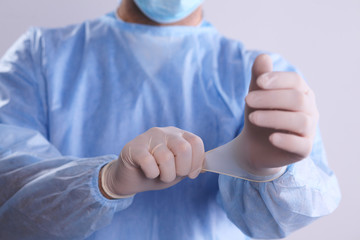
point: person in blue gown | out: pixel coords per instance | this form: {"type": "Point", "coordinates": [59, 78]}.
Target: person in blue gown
{"type": "Point", "coordinates": [78, 100]}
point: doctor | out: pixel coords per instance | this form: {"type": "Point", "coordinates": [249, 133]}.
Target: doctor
{"type": "Point", "coordinates": [104, 127]}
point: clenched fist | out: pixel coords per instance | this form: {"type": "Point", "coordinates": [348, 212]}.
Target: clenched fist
{"type": "Point", "coordinates": [154, 160]}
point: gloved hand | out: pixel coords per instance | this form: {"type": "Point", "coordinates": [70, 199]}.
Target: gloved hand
{"type": "Point", "coordinates": [154, 160]}
{"type": "Point", "coordinates": [279, 129]}
{"type": "Point", "coordinates": [280, 119]}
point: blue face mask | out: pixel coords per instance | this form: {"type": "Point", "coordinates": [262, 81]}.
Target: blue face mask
{"type": "Point", "coordinates": [167, 11]}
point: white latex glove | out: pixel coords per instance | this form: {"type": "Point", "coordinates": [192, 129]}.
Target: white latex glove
{"type": "Point", "coordinates": [280, 125]}
{"type": "Point", "coordinates": [154, 160]}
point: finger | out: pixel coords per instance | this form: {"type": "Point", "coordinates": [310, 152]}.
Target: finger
{"type": "Point", "coordinates": [262, 64]}
{"type": "Point", "coordinates": [300, 146]}
{"type": "Point", "coordinates": [146, 162]}
{"type": "Point", "coordinates": [198, 153]}
{"type": "Point", "coordinates": [183, 154]}
{"type": "Point", "coordinates": [165, 159]}
{"type": "Point", "coordinates": [285, 99]}
{"type": "Point", "coordinates": [282, 80]}
{"type": "Point", "coordinates": [296, 122]}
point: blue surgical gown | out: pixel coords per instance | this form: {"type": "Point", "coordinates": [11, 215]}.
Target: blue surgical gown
{"type": "Point", "coordinates": [72, 97]}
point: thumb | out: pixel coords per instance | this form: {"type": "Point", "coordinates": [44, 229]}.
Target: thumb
{"type": "Point", "coordinates": [262, 64]}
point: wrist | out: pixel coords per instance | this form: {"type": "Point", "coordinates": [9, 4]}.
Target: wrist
{"type": "Point", "coordinates": [252, 159]}
{"type": "Point", "coordinates": [101, 187]}
{"type": "Point", "coordinates": [106, 177]}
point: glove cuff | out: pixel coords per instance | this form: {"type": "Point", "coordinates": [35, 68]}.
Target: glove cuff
{"type": "Point", "coordinates": [104, 182]}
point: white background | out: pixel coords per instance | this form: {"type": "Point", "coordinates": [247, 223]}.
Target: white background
{"type": "Point", "coordinates": [320, 37]}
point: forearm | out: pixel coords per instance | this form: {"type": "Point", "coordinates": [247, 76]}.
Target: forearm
{"type": "Point", "coordinates": [275, 209]}
{"type": "Point", "coordinates": [49, 196]}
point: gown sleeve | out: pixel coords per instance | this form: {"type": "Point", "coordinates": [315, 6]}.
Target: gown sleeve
{"type": "Point", "coordinates": [306, 191]}
{"type": "Point", "coordinates": [44, 195]}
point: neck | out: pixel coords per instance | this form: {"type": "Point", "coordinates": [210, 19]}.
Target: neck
{"type": "Point", "coordinates": [129, 12]}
